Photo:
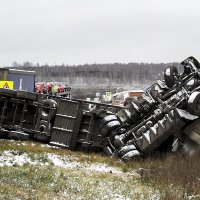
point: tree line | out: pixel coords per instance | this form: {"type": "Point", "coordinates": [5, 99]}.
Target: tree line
{"type": "Point", "coordinates": [102, 73]}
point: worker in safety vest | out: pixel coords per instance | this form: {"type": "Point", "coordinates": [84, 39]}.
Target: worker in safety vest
{"type": "Point", "coordinates": [54, 89]}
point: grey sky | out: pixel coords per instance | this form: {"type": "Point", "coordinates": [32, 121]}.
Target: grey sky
{"type": "Point", "coordinates": [101, 31]}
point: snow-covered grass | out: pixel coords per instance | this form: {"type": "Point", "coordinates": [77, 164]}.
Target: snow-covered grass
{"type": "Point", "coordinates": [37, 174]}
{"type": "Point", "coordinates": [50, 182]}
{"type": "Point", "coordinates": [37, 148]}
{"type": "Point", "coordinates": [33, 171]}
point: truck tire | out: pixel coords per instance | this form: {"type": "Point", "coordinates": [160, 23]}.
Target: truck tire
{"type": "Point", "coordinates": [131, 155]}
{"type": "Point", "coordinates": [125, 149]}
{"type": "Point", "coordinates": [106, 120]}
{"type": "Point", "coordinates": [193, 60]}
{"type": "Point", "coordinates": [169, 75]}
{"type": "Point", "coordinates": [110, 126]}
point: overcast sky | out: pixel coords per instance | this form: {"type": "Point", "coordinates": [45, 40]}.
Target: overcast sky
{"type": "Point", "coordinates": [98, 31]}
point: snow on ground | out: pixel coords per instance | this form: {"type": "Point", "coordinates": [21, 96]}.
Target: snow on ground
{"type": "Point", "coordinates": [71, 162]}
{"type": "Point", "coordinates": [12, 158]}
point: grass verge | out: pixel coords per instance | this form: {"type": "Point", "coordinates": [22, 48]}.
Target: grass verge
{"type": "Point", "coordinates": [173, 176]}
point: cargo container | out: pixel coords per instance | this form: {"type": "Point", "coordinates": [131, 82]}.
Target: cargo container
{"type": "Point", "coordinates": [22, 79]}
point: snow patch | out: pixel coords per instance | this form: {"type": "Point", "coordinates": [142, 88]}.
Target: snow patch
{"type": "Point", "coordinates": [62, 161]}
{"type": "Point", "coordinates": [12, 158]}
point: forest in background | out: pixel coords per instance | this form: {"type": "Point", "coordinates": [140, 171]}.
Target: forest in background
{"type": "Point", "coordinates": [98, 77]}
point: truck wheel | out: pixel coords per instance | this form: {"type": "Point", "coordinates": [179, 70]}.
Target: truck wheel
{"type": "Point", "coordinates": [107, 128]}
{"type": "Point", "coordinates": [106, 120]}
{"type": "Point", "coordinates": [131, 155]}
{"type": "Point", "coordinates": [125, 149]}
{"type": "Point", "coordinates": [194, 104]}
{"type": "Point", "coordinates": [170, 74]}
{"type": "Point", "coordinates": [108, 151]}
{"type": "Point", "coordinates": [193, 60]}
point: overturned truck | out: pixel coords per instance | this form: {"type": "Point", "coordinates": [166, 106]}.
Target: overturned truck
{"type": "Point", "coordinates": [165, 117]}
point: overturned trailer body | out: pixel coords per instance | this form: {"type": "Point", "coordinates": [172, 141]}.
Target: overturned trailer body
{"type": "Point", "coordinates": [60, 121]}
{"type": "Point", "coordinates": [165, 117]}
